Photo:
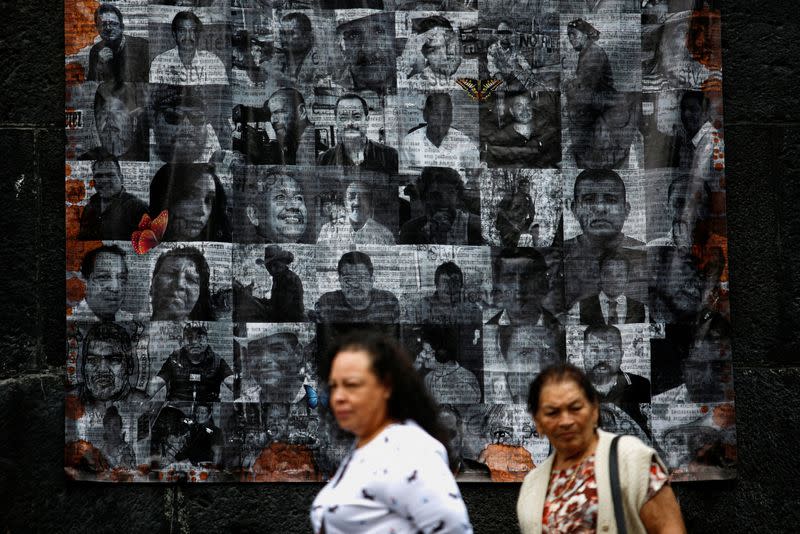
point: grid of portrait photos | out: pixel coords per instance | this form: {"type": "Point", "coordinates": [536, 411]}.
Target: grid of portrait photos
{"type": "Point", "coordinates": [499, 184]}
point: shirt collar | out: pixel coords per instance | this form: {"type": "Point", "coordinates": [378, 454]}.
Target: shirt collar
{"type": "Point", "coordinates": [605, 298]}
{"type": "Point", "coordinates": [702, 132]}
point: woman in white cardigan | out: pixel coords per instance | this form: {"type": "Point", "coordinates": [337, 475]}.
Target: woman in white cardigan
{"type": "Point", "coordinates": [571, 490]}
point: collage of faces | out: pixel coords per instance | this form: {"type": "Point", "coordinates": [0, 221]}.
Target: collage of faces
{"type": "Point", "coordinates": [499, 184]}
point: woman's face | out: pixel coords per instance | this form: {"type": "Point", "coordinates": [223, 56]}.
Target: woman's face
{"type": "Point", "coordinates": [175, 289]}
{"type": "Point", "coordinates": [358, 397]}
{"type": "Point", "coordinates": [189, 215]}
{"type": "Point", "coordinates": [566, 417]}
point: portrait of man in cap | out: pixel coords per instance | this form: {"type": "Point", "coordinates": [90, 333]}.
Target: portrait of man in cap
{"type": "Point", "coordinates": [286, 301]}
{"type": "Point", "coordinates": [432, 54]}
{"type": "Point", "coordinates": [181, 128]}
{"type": "Point", "coordinates": [368, 50]}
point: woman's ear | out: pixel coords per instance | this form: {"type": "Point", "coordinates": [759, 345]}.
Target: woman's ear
{"type": "Point", "coordinates": [388, 388]}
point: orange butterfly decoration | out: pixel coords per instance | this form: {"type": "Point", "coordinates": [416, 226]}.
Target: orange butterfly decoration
{"type": "Point", "coordinates": [149, 233]}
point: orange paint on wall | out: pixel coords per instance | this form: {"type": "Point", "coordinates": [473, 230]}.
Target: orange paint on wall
{"type": "Point", "coordinates": [73, 407]}
{"type": "Point", "coordinates": [76, 289]}
{"type": "Point", "coordinates": [724, 415]}
{"type": "Point", "coordinates": [75, 191]}
{"type": "Point", "coordinates": [79, 28]}
{"type": "Point", "coordinates": [704, 38]}
{"type": "Point", "coordinates": [73, 221]}
{"type": "Point", "coordinates": [74, 73]}
{"type": "Point", "coordinates": [81, 455]}
{"type": "Point", "coordinates": [506, 463]}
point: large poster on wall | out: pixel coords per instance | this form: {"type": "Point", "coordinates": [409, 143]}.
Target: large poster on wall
{"type": "Point", "coordinates": [500, 184]}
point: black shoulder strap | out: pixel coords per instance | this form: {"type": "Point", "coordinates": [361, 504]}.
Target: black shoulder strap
{"type": "Point", "coordinates": [616, 492]}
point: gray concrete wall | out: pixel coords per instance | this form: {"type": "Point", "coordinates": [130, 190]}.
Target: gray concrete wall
{"type": "Point", "coordinates": [762, 126]}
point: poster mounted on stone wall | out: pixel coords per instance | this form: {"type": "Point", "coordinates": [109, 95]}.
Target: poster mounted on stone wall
{"type": "Point", "coordinates": [498, 184]}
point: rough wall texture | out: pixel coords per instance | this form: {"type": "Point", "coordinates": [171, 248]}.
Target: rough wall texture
{"type": "Point", "coordinates": [762, 117]}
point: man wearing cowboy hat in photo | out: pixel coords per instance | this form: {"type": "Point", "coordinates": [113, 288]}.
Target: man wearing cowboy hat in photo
{"type": "Point", "coordinates": [286, 302]}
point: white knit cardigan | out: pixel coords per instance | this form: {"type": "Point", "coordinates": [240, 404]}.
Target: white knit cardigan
{"type": "Point", "coordinates": [634, 474]}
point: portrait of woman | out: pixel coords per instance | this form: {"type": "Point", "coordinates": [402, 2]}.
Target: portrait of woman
{"type": "Point", "coordinates": [196, 202]}
{"type": "Point", "coordinates": [571, 491]}
{"type": "Point", "coordinates": [396, 477]}
{"type": "Point", "coordinates": [179, 290]}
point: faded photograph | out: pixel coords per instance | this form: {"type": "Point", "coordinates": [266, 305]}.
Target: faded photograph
{"type": "Point", "coordinates": [118, 56]}
{"type": "Point", "coordinates": [431, 55]}
{"type": "Point", "coordinates": [272, 207]}
{"type": "Point", "coordinates": [112, 213]}
{"type": "Point", "coordinates": [357, 300]}
{"type": "Point", "coordinates": [183, 131]}
{"type": "Point", "coordinates": [196, 201]}
{"type": "Point", "coordinates": [520, 129]}
{"type": "Point", "coordinates": [187, 63]}
{"type": "Point", "coordinates": [445, 219]}
{"type": "Point", "coordinates": [285, 303]}
{"type": "Point", "coordinates": [367, 48]}
{"type": "Point", "coordinates": [521, 207]}
{"type": "Point", "coordinates": [120, 123]}
{"type": "Point", "coordinates": [602, 99]}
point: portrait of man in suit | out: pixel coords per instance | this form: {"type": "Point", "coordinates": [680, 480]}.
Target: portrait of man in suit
{"type": "Point", "coordinates": [611, 305]}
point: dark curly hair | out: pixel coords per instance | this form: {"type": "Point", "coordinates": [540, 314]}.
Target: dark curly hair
{"type": "Point", "coordinates": [392, 365]}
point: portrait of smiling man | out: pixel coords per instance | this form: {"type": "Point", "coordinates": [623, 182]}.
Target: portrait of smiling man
{"type": "Point", "coordinates": [359, 227]}
{"type": "Point", "coordinates": [353, 148]}
{"type": "Point", "coordinates": [601, 207]}
{"type": "Point", "coordinates": [274, 208]}
{"type": "Point", "coordinates": [105, 271]}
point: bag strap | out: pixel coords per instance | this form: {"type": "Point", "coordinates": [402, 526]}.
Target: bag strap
{"type": "Point", "coordinates": [616, 491]}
